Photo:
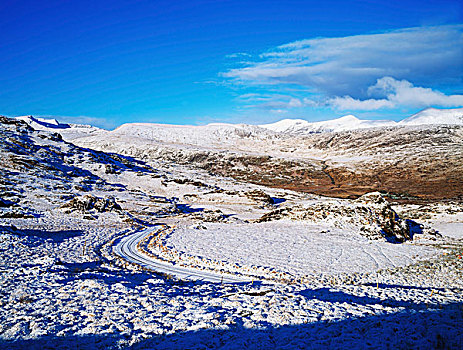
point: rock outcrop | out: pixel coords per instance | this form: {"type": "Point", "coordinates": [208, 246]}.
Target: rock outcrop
{"type": "Point", "coordinates": [380, 213]}
{"type": "Point", "coordinates": [260, 196]}
{"type": "Point", "coordinates": [88, 203]}
{"type": "Point", "coordinates": [371, 216]}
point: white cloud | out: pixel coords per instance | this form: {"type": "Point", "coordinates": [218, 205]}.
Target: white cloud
{"type": "Point", "coordinates": [238, 54]}
{"type": "Point", "coordinates": [395, 93]}
{"type": "Point", "coordinates": [348, 65]}
{"type": "Point", "coordinates": [294, 102]}
{"type": "Point", "coordinates": [405, 93]}
{"type": "Point", "coordinates": [278, 111]}
{"type": "Point", "coordinates": [273, 102]}
{"type": "Point", "coordinates": [349, 103]}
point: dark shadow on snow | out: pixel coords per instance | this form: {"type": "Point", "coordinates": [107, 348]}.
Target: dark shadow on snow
{"type": "Point", "coordinates": [186, 209]}
{"type": "Point", "coordinates": [56, 236]}
{"type": "Point", "coordinates": [95, 271]}
{"type": "Point", "coordinates": [277, 200]}
{"type": "Point", "coordinates": [335, 296]}
{"type": "Point", "coordinates": [414, 228]}
{"type": "Point", "coordinates": [433, 328]}
{"type": "Point", "coordinates": [398, 286]}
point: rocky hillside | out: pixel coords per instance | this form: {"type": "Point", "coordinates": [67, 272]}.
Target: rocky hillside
{"type": "Point", "coordinates": [406, 161]}
{"type": "Point", "coordinates": [41, 171]}
{"type": "Point", "coordinates": [417, 158]}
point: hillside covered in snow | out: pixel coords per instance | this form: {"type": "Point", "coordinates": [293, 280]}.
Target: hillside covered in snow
{"type": "Point", "coordinates": [348, 122]}
{"type": "Point", "coordinates": [435, 116]}
{"type": "Point", "coordinates": [428, 116]}
{"type": "Point", "coordinates": [167, 132]}
{"type": "Point", "coordinates": [232, 236]}
{"type": "Point", "coordinates": [415, 161]}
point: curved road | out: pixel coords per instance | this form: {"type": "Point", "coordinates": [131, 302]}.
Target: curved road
{"type": "Point", "coordinates": [127, 249]}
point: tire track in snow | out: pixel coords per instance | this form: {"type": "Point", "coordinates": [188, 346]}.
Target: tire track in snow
{"type": "Point", "coordinates": [127, 248]}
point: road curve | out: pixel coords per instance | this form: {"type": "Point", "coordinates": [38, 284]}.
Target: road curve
{"type": "Point", "coordinates": [127, 249]}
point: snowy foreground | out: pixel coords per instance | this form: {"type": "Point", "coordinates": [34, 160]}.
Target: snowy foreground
{"type": "Point", "coordinates": [104, 251]}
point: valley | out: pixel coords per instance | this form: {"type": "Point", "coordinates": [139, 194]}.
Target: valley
{"type": "Point", "coordinates": [235, 236]}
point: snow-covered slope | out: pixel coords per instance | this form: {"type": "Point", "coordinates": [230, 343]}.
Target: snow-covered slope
{"type": "Point", "coordinates": [65, 285]}
{"type": "Point", "coordinates": [69, 131]}
{"type": "Point", "coordinates": [287, 125]}
{"type": "Point", "coordinates": [189, 134]}
{"type": "Point", "coordinates": [435, 116]}
{"type": "Point", "coordinates": [429, 116]}
{"type": "Point", "coordinates": [220, 133]}
{"type": "Point", "coordinates": [348, 122]}
{"type": "Point", "coordinates": [42, 123]}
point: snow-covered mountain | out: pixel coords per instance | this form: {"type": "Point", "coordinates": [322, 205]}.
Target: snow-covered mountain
{"type": "Point", "coordinates": [435, 116]}
{"type": "Point", "coordinates": [429, 116]}
{"type": "Point", "coordinates": [188, 133]}
{"type": "Point", "coordinates": [221, 133]}
{"type": "Point", "coordinates": [348, 122]}
{"type": "Point", "coordinates": [77, 224]}
{"type": "Point", "coordinates": [42, 123]}
{"type": "Point", "coordinates": [69, 131]}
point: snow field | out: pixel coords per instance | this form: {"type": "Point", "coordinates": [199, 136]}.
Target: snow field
{"type": "Point", "coordinates": [298, 248]}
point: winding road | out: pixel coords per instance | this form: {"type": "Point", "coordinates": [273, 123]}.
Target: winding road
{"type": "Point", "coordinates": [127, 249]}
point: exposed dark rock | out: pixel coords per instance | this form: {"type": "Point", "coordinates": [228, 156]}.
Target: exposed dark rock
{"type": "Point", "coordinates": [371, 213]}
{"type": "Point", "coordinates": [17, 214]}
{"type": "Point", "coordinates": [392, 226]}
{"type": "Point", "coordinates": [110, 169]}
{"type": "Point", "coordinates": [210, 216]}
{"type": "Point", "coordinates": [260, 197]}
{"type": "Point", "coordinates": [88, 203]}
{"type": "Point", "coordinates": [5, 203]}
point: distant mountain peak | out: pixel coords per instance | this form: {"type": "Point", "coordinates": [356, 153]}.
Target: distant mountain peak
{"type": "Point", "coordinates": [349, 117]}
{"type": "Point", "coordinates": [428, 116]}
{"type": "Point", "coordinates": [435, 116]}
{"type": "Point", "coordinates": [41, 123]}
{"type": "Point", "coordinates": [347, 122]}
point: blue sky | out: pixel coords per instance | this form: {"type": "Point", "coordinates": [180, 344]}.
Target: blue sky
{"type": "Point", "coordinates": [194, 62]}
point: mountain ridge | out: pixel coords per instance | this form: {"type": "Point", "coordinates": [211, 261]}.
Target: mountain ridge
{"type": "Point", "coordinates": [435, 116]}
{"type": "Point", "coordinates": [428, 116]}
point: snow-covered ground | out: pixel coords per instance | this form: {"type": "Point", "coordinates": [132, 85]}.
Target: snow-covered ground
{"type": "Point", "coordinates": [299, 248]}
{"type": "Point", "coordinates": [339, 281]}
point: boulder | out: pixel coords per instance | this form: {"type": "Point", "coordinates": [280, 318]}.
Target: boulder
{"type": "Point", "coordinates": [89, 203]}
{"type": "Point", "coordinates": [370, 215]}
{"type": "Point", "coordinates": [260, 196]}
{"type": "Point", "coordinates": [380, 211]}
